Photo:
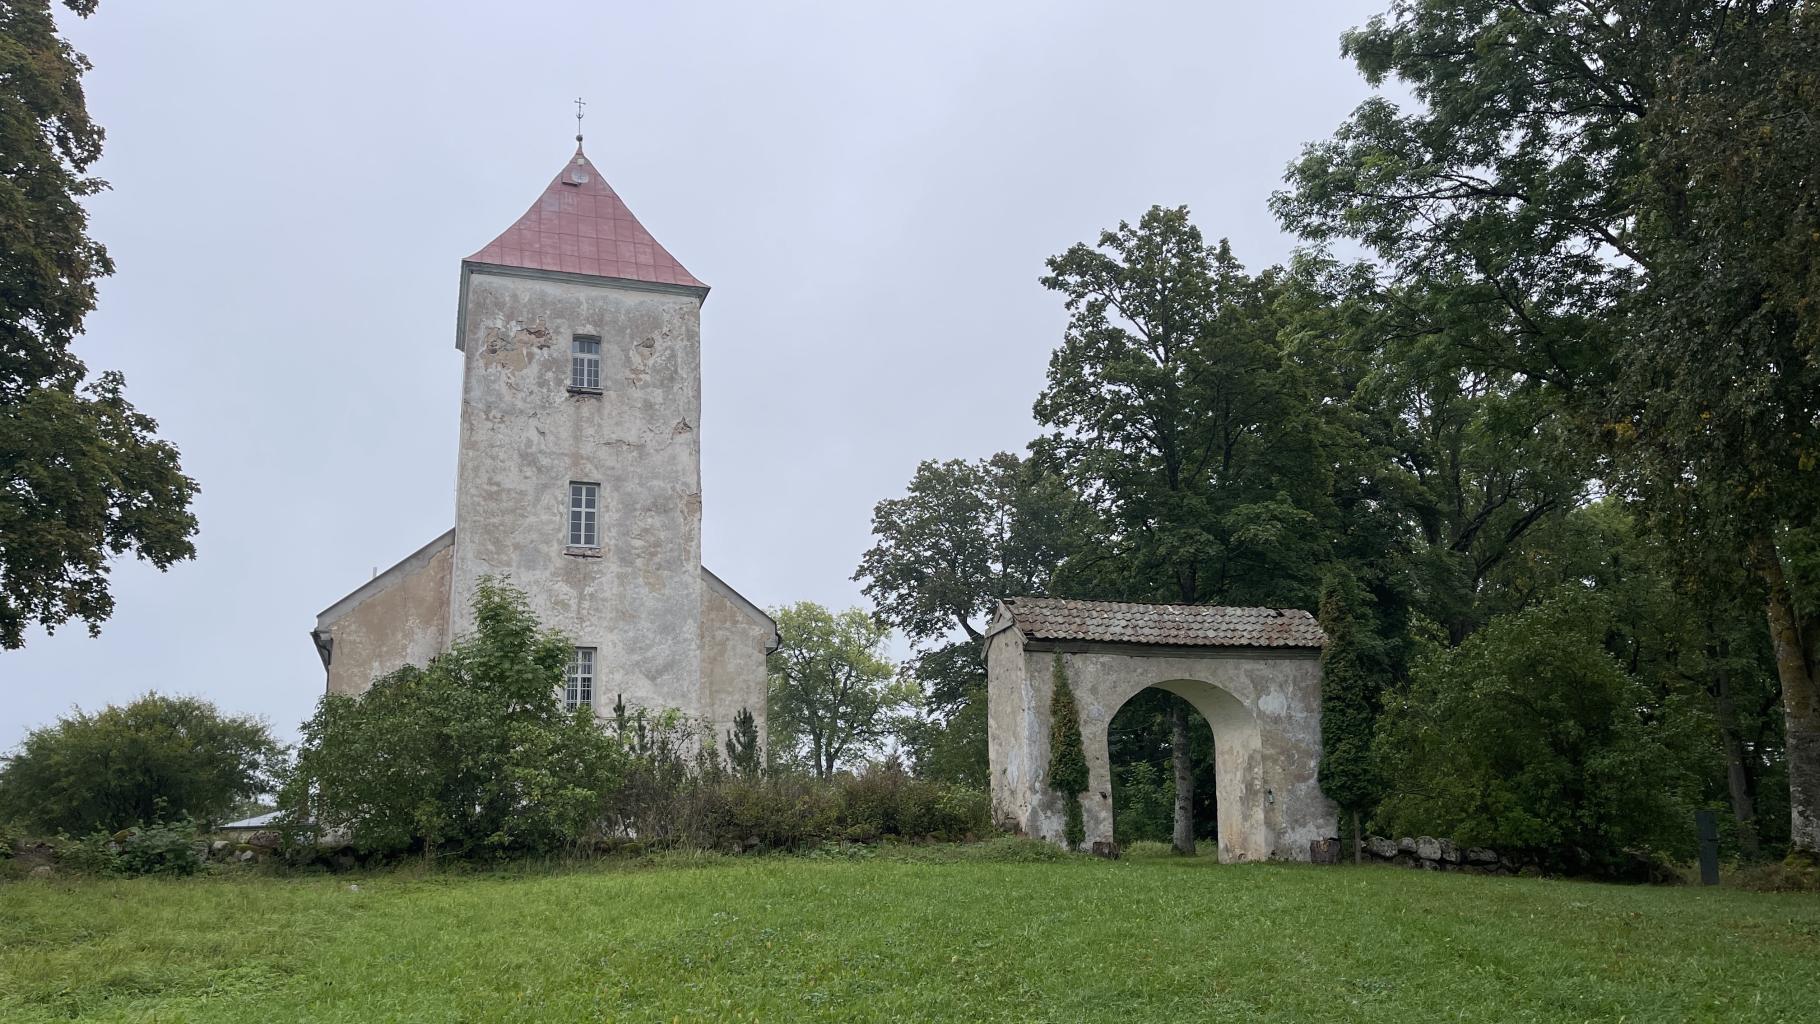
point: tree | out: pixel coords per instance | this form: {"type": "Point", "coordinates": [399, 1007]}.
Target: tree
{"type": "Point", "coordinates": [1613, 201]}
{"type": "Point", "coordinates": [832, 691]}
{"type": "Point", "coordinates": [1173, 411]}
{"type": "Point", "coordinates": [156, 759]}
{"type": "Point", "coordinates": [1067, 755]}
{"type": "Point", "coordinates": [1353, 680]}
{"type": "Point", "coordinates": [1720, 390]}
{"type": "Point", "coordinates": [745, 755]}
{"type": "Point", "coordinates": [473, 753]}
{"type": "Point", "coordinates": [1531, 739]}
{"type": "Point", "coordinates": [963, 535]}
{"type": "Point", "coordinates": [1176, 413]}
{"type": "Point", "coordinates": [83, 475]}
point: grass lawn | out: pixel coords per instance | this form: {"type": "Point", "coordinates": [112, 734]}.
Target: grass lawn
{"type": "Point", "coordinates": [969, 938]}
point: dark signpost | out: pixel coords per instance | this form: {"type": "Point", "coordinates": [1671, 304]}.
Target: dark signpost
{"type": "Point", "coordinates": [1708, 825]}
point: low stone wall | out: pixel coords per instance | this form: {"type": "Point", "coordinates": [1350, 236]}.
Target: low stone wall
{"type": "Point", "coordinates": [1431, 854]}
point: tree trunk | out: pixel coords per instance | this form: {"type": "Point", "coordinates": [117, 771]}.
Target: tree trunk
{"type": "Point", "coordinates": [1790, 636]}
{"type": "Point", "coordinates": [1358, 844]}
{"type": "Point", "coordinates": [1184, 776]}
{"type": "Point", "coordinates": [1737, 773]}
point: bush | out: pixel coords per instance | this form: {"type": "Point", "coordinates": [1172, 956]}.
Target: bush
{"type": "Point", "coordinates": [162, 848]}
{"type": "Point", "coordinates": [1529, 739]}
{"type": "Point", "coordinates": [155, 758]}
{"type": "Point", "coordinates": [472, 755]}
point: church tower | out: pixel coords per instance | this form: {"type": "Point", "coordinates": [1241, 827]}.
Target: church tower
{"type": "Point", "coordinates": [579, 472]}
{"type": "Point", "coordinates": [580, 463]}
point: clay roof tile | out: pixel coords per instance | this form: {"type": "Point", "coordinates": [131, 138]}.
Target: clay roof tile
{"type": "Point", "coordinates": [1198, 625]}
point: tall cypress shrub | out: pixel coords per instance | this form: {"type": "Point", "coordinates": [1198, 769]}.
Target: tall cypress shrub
{"type": "Point", "coordinates": [1067, 756]}
{"type": "Point", "coordinates": [1352, 686]}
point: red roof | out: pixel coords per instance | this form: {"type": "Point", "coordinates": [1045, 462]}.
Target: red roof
{"type": "Point", "coordinates": [581, 226]}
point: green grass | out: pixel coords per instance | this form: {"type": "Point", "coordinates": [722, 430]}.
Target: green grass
{"type": "Point", "coordinates": [972, 936]}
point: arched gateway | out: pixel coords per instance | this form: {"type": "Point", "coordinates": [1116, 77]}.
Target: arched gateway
{"type": "Point", "coordinates": [1255, 673]}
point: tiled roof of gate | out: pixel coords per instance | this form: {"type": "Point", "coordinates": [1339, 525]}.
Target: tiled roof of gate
{"type": "Point", "coordinates": [580, 225]}
{"type": "Point", "coordinates": [1191, 625]}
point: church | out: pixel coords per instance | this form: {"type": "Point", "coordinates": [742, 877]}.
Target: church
{"type": "Point", "coordinates": [579, 474]}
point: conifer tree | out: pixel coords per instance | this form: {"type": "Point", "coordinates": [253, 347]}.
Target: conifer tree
{"type": "Point", "coordinates": [1351, 692]}
{"type": "Point", "coordinates": [1067, 755]}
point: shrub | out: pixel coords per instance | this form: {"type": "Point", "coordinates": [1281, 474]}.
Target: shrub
{"type": "Point", "coordinates": [676, 794]}
{"type": "Point", "coordinates": [154, 758]}
{"type": "Point", "coordinates": [473, 754]}
{"type": "Point", "coordinates": [1529, 739]}
{"type": "Point", "coordinates": [162, 848]}
{"type": "Point", "coordinates": [1067, 756]}
{"type": "Point", "coordinates": [166, 848]}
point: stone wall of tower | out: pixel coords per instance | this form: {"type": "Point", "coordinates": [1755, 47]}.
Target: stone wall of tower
{"type": "Point", "coordinates": [525, 436]}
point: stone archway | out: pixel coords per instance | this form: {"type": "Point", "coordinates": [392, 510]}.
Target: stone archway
{"type": "Point", "coordinates": [1237, 752]}
{"type": "Point", "coordinates": [1254, 673]}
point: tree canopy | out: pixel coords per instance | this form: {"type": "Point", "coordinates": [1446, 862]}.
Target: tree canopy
{"type": "Point", "coordinates": [83, 475]}
{"type": "Point", "coordinates": [156, 759]}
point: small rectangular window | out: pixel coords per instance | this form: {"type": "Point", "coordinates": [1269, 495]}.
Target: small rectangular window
{"type": "Point", "coordinates": [578, 692]}
{"type": "Point", "coordinates": [584, 515]}
{"type": "Point", "coordinates": [584, 363]}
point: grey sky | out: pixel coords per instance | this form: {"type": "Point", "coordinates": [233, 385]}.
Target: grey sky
{"type": "Point", "coordinates": [870, 191]}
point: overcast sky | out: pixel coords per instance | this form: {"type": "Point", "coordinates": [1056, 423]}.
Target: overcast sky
{"type": "Point", "coordinates": [870, 190]}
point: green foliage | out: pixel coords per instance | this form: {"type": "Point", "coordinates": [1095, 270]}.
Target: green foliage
{"type": "Point", "coordinates": [1604, 210]}
{"type": "Point", "coordinates": [745, 755]}
{"type": "Point", "coordinates": [964, 535]}
{"type": "Point", "coordinates": [1067, 757]}
{"type": "Point", "coordinates": [832, 692]}
{"type": "Point", "coordinates": [1175, 413]}
{"type": "Point", "coordinates": [674, 800]}
{"type": "Point", "coordinates": [1353, 680]}
{"type": "Point", "coordinates": [470, 755]}
{"type": "Point", "coordinates": [83, 476]}
{"type": "Point", "coordinates": [170, 848]}
{"type": "Point", "coordinates": [1529, 738]}
{"type": "Point", "coordinates": [1143, 800]}
{"type": "Point", "coordinates": [946, 738]}
{"type": "Point", "coordinates": [951, 749]}
{"type": "Point", "coordinates": [1140, 745]}
{"type": "Point", "coordinates": [149, 760]}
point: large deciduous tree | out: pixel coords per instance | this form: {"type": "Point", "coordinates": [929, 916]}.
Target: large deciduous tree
{"type": "Point", "coordinates": [1720, 383]}
{"type": "Point", "coordinates": [83, 476]}
{"type": "Point", "coordinates": [963, 535]}
{"type": "Point", "coordinates": [832, 690]}
{"type": "Point", "coordinates": [1174, 412]}
{"type": "Point", "coordinates": [1614, 202]}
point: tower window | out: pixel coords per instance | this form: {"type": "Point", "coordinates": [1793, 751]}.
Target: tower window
{"type": "Point", "coordinates": [578, 691]}
{"type": "Point", "coordinates": [584, 515]}
{"type": "Point", "coordinates": [584, 363]}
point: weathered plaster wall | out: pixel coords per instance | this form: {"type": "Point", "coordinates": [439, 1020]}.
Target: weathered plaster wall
{"type": "Point", "coordinates": [1264, 706]}
{"type": "Point", "coordinates": [525, 436]}
{"type": "Point", "coordinates": [734, 638]}
{"type": "Point", "coordinates": [401, 617]}
{"type": "Point", "coordinates": [1017, 725]}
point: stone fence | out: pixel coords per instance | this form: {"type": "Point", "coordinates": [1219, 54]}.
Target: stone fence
{"type": "Point", "coordinates": [1433, 854]}
{"type": "Point", "coordinates": [1425, 852]}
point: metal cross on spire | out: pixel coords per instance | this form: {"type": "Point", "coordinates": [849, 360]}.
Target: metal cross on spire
{"type": "Point", "coordinates": [579, 103]}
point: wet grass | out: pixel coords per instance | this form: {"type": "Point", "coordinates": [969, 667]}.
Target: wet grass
{"type": "Point", "coordinates": [1000, 933]}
